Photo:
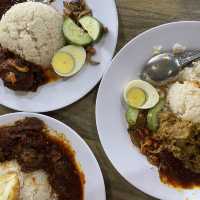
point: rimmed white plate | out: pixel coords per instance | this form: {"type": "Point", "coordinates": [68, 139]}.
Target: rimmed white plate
{"type": "Point", "coordinates": [94, 187]}
{"type": "Point", "coordinates": [111, 124]}
{"type": "Point", "coordinates": [62, 93]}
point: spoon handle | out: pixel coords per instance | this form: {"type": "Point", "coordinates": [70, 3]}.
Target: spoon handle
{"type": "Point", "coordinates": [185, 61]}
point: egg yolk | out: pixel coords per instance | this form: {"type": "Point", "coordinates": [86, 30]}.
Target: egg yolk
{"type": "Point", "coordinates": [63, 63]}
{"type": "Point", "coordinates": [136, 97]}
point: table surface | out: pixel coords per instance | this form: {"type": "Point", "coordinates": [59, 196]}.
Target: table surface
{"type": "Point", "coordinates": [135, 16]}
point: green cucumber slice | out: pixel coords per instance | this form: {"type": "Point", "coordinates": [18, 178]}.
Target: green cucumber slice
{"type": "Point", "coordinates": [132, 115]}
{"type": "Point", "coordinates": [152, 116]}
{"type": "Point", "coordinates": [79, 55]}
{"type": "Point", "coordinates": [92, 26]}
{"type": "Point", "coordinates": [75, 34]}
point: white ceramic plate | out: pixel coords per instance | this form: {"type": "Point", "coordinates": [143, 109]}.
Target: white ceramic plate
{"type": "Point", "coordinates": [94, 187]}
{"type": "Point", "coordinates": [62, 93]}
{"type": "Point", "coordinates": [111, 124]}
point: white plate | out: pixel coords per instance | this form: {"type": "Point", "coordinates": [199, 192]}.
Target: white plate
{"type": "Point", "coordinates": [62, 93]}
{"type": "Point", "coordinates": [94, 187]}
{"type": "Point", "coordinates": [111, 124]}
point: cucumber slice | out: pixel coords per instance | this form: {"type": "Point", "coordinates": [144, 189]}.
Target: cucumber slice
{"type": "Point", "coordinates": [152, 116]}
{"type": "Point", "coordinates": [63, 64]}
{"type": "Point", "coordinates": [132, 115]}
{"type": "Point", "coordinates": [79, 55]}
{"type": "Point", "coordinates": [75, 34]}
{"type": "Point", "coordinates": [92, 26]}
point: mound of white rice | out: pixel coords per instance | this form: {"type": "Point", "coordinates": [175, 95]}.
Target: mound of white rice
{"type": "Point", "coordinates": [184, 98]}
{"type": "Point", "coordinates": [32, 30]}
{"type": "Point", "coordinates": [191, 73]}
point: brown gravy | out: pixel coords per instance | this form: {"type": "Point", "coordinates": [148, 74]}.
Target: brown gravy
{"type": "Point", "coordinates": [173, 172]}
{"type": "Point", "coordinates": [29, 142]}
{"type": "Point", "coordinates": [50, 75]}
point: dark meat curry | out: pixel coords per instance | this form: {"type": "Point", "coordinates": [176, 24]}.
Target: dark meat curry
{"type": "Point", "coordinates": [20, 75]}
{"type": "Point", "coordinates": [16, 73]}
{"type": "Point", "coordinates": [28, 141]}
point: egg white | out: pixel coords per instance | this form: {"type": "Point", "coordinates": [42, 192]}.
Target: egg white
{"type": "Point", "coordinates": [33, 186]}
{"type": "Point", "coordinates": [152, 96]}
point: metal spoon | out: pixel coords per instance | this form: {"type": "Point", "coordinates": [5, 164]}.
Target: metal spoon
{"type": "Point", "coordinates": [165, 66]}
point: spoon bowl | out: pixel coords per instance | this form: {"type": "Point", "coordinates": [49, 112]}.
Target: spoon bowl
{"type": "Point", "coordinates": [166, 66]}
{"type": "Point", "coordinates": [161, 67]}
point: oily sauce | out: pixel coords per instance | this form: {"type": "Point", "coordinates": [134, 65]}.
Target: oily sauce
{"type": "Point", "coordinates": [50, 75]}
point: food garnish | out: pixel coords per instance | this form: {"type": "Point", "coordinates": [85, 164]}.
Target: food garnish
{"type": "Point", "coordinates": [63, 63]}
{"type": "Point", "coordinates": [132, 115]}
{"type": "Point", "coordinates": [78, 11]}
{"type": "Point", "coordinates": [90, 52]}
{"type": "Point", "coordinates": [152, 116]}
{"type": "Point", "coordinates": [136, 97]}
{"type": "Point", "coordinates": [78, 53]}
{"type": "Point", "coordinates": [92, 26]}
{"type": "Point", "coordinates": [140, 94]}
{"type": "Point", "coordinates": [75, 34]}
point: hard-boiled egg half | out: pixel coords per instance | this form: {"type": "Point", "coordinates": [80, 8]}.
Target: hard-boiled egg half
{"type": "Point", "coordinates": [69, 60]}
{"type": "Point", "coordinates": [140, 94]}
{"type": "Point", "coordinates": [9, 186]}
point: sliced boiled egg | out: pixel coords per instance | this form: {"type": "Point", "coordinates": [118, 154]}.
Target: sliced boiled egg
{"type": "Point", "coordinates": [63, 63]}
{"type": "Point", "coordinates": [78, 53]}
{"type": "Point", "coordinates": [69, 60]}
{"type": "Point", "coordinates": [140, 94]}
{"type": "Point", "coordinates": [9, 186]}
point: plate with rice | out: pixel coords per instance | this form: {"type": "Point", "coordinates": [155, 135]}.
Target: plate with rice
{"type": "Point", "coordinates": [43, 159]}
{"type": "Point", "coordinates": [155, 126]}
{"type": "Point", "coordinates": [62, 46]}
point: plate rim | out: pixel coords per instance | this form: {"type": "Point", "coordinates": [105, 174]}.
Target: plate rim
{"type": "Point", "coordinates": [86, 146]}
{"type": "Point", "coordinates": [84, 93]}
{"type": "Point", "coordinates": [100, 90]}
